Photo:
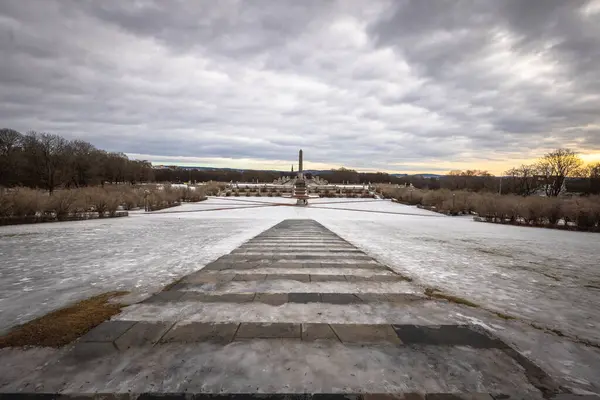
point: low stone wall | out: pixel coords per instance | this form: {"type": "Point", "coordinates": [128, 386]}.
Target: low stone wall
{"type": "Point", "coordinates": [564, 227]}
{"type": "Point", "coordinates": [37, 219]}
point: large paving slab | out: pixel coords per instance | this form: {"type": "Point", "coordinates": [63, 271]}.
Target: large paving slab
{"type": "Point", "coordinates": [295, 309]}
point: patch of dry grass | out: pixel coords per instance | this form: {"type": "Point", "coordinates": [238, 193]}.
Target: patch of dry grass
{"type": "Point", "coordinates": [172, 284]}
{"type": "Point", "coordinates": [432, 292]}
{"type": "Point", "coordinates": [404, 277]}
{"type": "Point", "coordinates": [61, 327]}
{"type": "Point", "coordinates": [504, 316]}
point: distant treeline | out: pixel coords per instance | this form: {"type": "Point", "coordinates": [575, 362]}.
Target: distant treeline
{"type": "Point", "coordinates": [176, 174]}
{"type": "Point", "coordinates": [46, 161]}
{"type": "Point", "coordinates": [471, 180]}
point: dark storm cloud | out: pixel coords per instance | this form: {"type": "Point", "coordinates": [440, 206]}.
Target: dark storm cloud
{"type": "Point", "coordinates": [371, 84]}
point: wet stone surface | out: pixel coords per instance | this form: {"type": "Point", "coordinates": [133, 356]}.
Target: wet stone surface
{"type": "Point", "coordinates": [265, 331]}
{"type": "Point", "coordinates": [200, 332]}
{"type": "Point", "coordinates": [210, 336]}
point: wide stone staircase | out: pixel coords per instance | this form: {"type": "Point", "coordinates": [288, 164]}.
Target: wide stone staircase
{"type": "Point", "coordinates": [296, 309]}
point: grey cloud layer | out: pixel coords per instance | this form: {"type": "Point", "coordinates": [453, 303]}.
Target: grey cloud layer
{"type": "Point", "coordinates": [370, 84]}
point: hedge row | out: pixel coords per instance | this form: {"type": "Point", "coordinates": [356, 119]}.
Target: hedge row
{"type": "Point", "coordinates": [579, 212]}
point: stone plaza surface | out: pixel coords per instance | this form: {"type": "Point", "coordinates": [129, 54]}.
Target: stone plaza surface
{"type": "Point", "coordinates": [295, 309]}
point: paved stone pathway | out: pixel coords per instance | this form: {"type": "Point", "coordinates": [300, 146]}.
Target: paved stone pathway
{"type": "Point", "coordinates": [294, 310]}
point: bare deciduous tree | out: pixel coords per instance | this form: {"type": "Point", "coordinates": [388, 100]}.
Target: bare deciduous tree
{"type": "Point", "coordinates": [523, 179]}
{"type": "Point", "coordinates": [46, 155]}
{"type": "Point", "coordinates": [10, 147]}
{"type": "Point", "coordinates": [556, 166]}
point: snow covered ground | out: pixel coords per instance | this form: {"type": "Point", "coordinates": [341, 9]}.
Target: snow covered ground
{"type": "Point", "coordinates": [542, 276]}
{"type": "Point", "coordinates": [45, 266]}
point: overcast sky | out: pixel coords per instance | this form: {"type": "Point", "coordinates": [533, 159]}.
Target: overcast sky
{"type": "Point", "coordinates": [407, 86]}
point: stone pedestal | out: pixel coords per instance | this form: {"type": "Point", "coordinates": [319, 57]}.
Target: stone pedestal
{"type": "Point", "coordinates": [300, 192]}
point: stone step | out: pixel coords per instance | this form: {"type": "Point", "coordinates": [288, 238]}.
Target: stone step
{"type": "Point", "coordinates": [196, 359]}
{"type": "Point", "coordinates": [311, 253]}
{"type": "Point", "coordinates": [259, 283]}
{"type": "Point", "coordinates": [278, 299]}
{"type": "Point", "coordinates": [291, 235]}
{"type": "Point", "coordinates": [406, 308]}
{"type": "Point", "coordinates": [358, 257]}
{"type": "Point", "coordinates": [207, 276]}
{"type": "Point", "coordinates": [296, 246]}
{"type": "Point", "coordinates": [298, 242]}
{"type": "Point", "coordinates": [284, 264]}
{"type": "Point", "coordinates": [334, 249]}
{"type": "Point", "coordinates": [301, 275]}
{"type": "Point", "coordinates": [126, 334]}
{"type": "Point", "coordinates": [294, 310]}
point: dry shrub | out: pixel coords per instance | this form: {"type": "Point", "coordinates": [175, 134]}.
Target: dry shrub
{"type": "Point", "coordinates": [5, 205]}
{"type": "Point", "coordinates": [405, 195]}
{"type": "Point", "coordinates": [584, 212]}
{"type": "Point", "coordinates": [213, 188]}
{"type": "Point", "coordinates": [553, 210]}
{"type": "Point", "coordinates": [436, 198]}
{"type": "Point", "coordinates": [132, 198]}
{"type": "Point", "coordinates": [508, 207]}
{"type": "Point", "coordinates": [62, 203]}
{"type": "Point", "coordinates": [98, 199]}
{"type": "Point", "coordinates": [487, 207]}
{"type": "Point", "coordinates": [534, 210]}
{"type": "Point", "coordinates": [192, 194]}
{"type": "Point", "coordinates": [113, 203]}
{"type": "Point", "coordinates": [27, 202]}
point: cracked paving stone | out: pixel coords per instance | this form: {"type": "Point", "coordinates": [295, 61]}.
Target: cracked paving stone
{"type": "Point", "coordinates": [304, 298]}
{"type": "Point", "coordinates": [250, 330]}
{"type": "Point", "coordinates": [327, 278]}
{"type": "Point", "coordinates": [108, 331]}
{"type": "Point", "coordinates": [365, 333]}
{"type": "Point", "coordinates": [458, 396]}
{"type": "Point", "coordinates": [165, 296]}
{"type": "Point", "coordinates": [142, 334]}
{"type": "Point", "coordinates": [372, 297]}
{"type": "Point", "coordinates": [274, 299]}
{"type": "Point", "coordinates": [201, 331]}
{"type": "Point", "coordinates": [219, 298]}
{"type": "Point", "coordinates": [311, 332]}
{"type": "Point", "coordinates": [291, 277]}
{"type": "Point", "coordinates": [250, 277]}
{"type": "Point", "coordinates": [339, 298]}
{"type": "Point", "coordinates": [446, 335]}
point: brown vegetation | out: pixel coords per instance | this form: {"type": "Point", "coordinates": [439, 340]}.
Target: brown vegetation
{"type": "Point", "coordinates": [23, 205]}
{"type": "Point", "coordinates": [567, 212]}
{"type": "Point", "coordinates": [435, 293]}
{"type": "Point", "coordinates": [61, 327]}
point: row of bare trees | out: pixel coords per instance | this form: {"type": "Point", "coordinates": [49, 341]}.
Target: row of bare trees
{"type": "Point", "coordinates": [47, 161]}
{"type": "Point", "coordinates": [556, 172]}
{"type": "Point", "coordinates": [549, 174]}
